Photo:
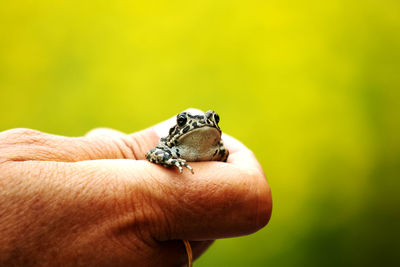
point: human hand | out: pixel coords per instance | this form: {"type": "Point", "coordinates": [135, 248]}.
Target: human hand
{"type": "Point", "coordinates": [95, 200]}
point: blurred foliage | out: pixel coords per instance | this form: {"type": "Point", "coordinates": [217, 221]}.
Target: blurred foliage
{"type": "Point", "coordinates": [312, 87]}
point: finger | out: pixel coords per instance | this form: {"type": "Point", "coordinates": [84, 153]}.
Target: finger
{"type": "Point", "coordinates": [219, 200]}
{"type": "Point", "coordinates": [27, 144]}
{"type": "Point", "coordinates": [123, 146]}
{"type": "Point", "coordinates": [104, 132]}
{"type": "Point", "coordinates": [90, 207]}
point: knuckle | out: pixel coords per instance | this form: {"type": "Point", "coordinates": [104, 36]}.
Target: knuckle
{"type": "Point", "coordinates": [14, 142]}
{"type": "Point", "coordinates": [20, 134]}
{"type": "Point", "coordinates": [128, 145]}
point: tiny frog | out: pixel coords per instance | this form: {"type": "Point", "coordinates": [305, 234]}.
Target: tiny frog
{"type": "Point", "coordinates": [193, 138]}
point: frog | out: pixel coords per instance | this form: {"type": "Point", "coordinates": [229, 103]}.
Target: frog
{"type": "Point", "coordinates": [194, 137]}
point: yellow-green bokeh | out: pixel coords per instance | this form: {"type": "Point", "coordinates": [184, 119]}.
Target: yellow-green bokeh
{"type": "Point", "coordinates": [312, 87]}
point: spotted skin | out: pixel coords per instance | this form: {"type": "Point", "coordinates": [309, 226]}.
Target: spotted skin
{"type": "Point", "coordinates": [193, 138]}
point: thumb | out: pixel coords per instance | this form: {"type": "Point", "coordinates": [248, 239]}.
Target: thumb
{"type": "Point", "coordinates": [102, 143]}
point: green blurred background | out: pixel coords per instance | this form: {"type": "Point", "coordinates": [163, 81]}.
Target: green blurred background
{"type": "Point", "coordinates": [312, 87]}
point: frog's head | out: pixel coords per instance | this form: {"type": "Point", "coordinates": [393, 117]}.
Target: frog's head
{"type": "Point", "coordinates": [185, 119]}
{"type": "Point", "coordinates": [187, 123]}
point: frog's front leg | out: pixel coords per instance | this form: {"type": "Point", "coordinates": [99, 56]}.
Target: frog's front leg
{"type": "Point", "coordinates": [164, 157]}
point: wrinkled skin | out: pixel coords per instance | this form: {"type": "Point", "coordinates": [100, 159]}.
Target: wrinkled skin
{"type": "Point", "coordinates": [95, 200]}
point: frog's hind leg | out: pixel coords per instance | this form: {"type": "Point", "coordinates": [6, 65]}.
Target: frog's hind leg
{"type": "Point", "coordinates": [165, 158]}
{"type": "Point", "coordinates": [225, 153]}
{"type": "Point", "coordinates": [222, 153]}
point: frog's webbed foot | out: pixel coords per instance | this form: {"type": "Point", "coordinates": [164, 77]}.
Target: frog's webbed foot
{"type": "Point", "coordinates": [181, 162]}
{"type": "Point", "coordinates": [165, 158]}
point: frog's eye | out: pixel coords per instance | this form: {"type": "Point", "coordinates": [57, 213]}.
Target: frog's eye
{"type": "Point", "coordinates": [181, 119]}
{"type": "Point", "coordinates": [216, 117]}
{"type": "Point", "coordinates": [209, 114]}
